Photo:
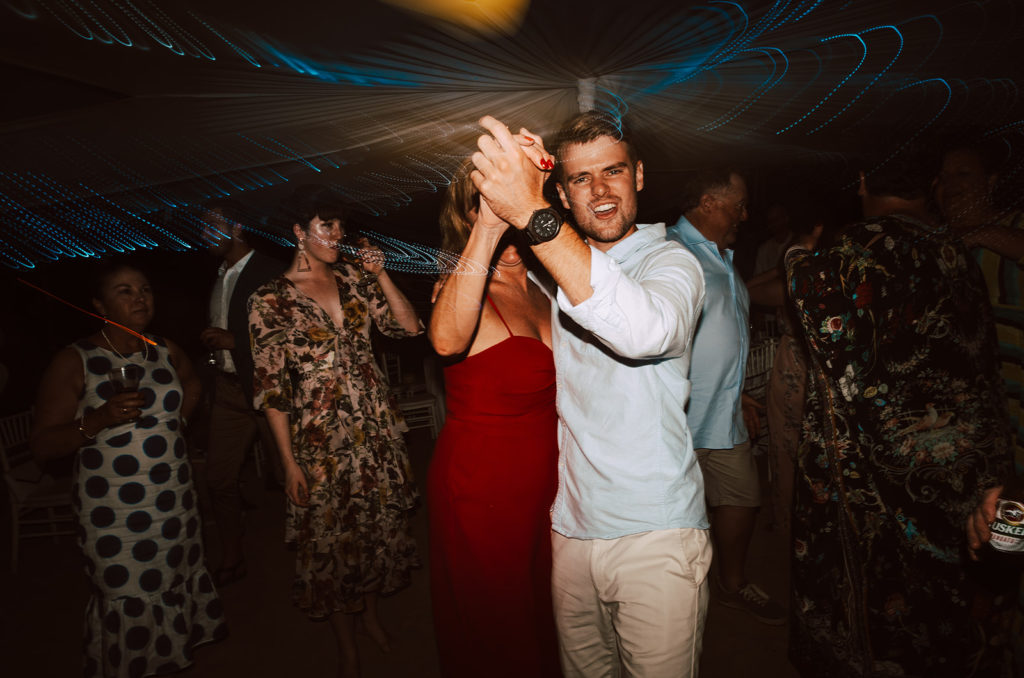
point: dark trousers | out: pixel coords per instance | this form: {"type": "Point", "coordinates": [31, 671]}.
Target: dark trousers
{"type": "Point", "coordinates": [234, 426]}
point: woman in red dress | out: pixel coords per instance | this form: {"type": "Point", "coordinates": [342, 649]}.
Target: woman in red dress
{"type": "Point", "coordinates": [495, 468]}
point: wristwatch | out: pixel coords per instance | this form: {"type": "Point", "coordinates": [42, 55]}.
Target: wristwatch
{"type": "Point", "coordinates": [544, 225]}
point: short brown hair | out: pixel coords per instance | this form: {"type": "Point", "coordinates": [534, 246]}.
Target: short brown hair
{"type": "Point", "coordinates": [589, 126]}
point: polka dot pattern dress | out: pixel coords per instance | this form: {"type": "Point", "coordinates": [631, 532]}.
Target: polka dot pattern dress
{"type": "Point", "coordinates": [153, 601]}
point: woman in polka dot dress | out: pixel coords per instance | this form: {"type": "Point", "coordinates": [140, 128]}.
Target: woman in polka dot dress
{"type": "Point", "coordinates": [152, 599]}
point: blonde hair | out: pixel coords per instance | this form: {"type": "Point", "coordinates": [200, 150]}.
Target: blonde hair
{"type": "Point", "coordinates": [459, 200]}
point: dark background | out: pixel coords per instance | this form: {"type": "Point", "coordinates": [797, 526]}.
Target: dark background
{"type": "Point", "coordinates": [107, 133]}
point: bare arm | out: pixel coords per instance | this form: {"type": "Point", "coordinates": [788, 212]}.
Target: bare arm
{"type": "Point", "coordinates": [405, 314]}
{"type": "Point", "coordinates": [55, 430]}
{"type": "Point", "coordinates": [191, 386]}
{"type": "Point", "coordinates": [1004, 241]}
{"type": "Point", "coordinates": [978, 532]}
{"type": "Point", "coordinates": [768, 288]}
{"type": "Point", "coordinates": [403, 311]}
{"type": "Point", "coordinates": [456, 316]}
{"type": "Point", "coordinates": [751, 415]}
{"type": "Point", "coordinates": [567, 258]}
{"type": "Point", "coordinates": [295, 484]}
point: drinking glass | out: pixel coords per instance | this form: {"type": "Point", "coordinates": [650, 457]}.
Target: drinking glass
{"type": "Point", "coordinates": [125, 378]}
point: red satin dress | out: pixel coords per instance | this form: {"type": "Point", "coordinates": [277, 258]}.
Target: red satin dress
{"type": "Point", "coordinates": [492, 482]}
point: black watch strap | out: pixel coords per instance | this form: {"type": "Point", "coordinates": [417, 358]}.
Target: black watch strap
{"type": "Point", "coordinates": [544, 225]}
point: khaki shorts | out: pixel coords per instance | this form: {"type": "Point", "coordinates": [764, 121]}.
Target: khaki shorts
{"type": "Point", "coordinates": [730, 476]}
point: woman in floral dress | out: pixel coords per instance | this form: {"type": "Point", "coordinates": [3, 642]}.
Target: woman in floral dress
{"type": "Point", "coordinates": [347, 474]}
{"type": "Point", "coordinates": [905, 432]}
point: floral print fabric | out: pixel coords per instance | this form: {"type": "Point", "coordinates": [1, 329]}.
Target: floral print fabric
{"type": "Point", "coordinates": [904, 426]}
{"type": "Point", "coordinates": [346, 435]}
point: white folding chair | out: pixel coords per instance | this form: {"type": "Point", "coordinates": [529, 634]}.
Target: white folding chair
{"type": "Point", "coordinates": [419, 406]}
{"type": "Point", "coordinates": [755, 382]}
{"type": "Point", "coordinates": [40, 503]}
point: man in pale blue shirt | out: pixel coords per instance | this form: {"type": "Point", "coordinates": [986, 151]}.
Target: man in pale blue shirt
{"type": "Point", "coordinates": [630, 540]}
{"type": "Point", "coordinates": [714, 204]}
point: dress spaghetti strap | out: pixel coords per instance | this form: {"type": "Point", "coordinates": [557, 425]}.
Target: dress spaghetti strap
{"type": "Point", "coordinates": [500, 317]}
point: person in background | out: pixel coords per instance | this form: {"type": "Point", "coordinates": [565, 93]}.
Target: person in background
{"type": "Point", "coordinates": [905, 435]}
{"type": "Point", "coordinates": [347, 474]}
{"type": "Point", "coordinates": [779, 221]}
{"type": "Point", "coordinates": [784, 399]}
{"type": "Point", "coordinates": [630, 549]}
{"type": "Point", "coordinates": [723, 419]}
{"type": "Point", "coordinates": [233, 423]}
{"type": "Point", "coordinates": [495, 467]}
{"type": "Point", "coordinates": [153, 602]}
{"type": "Point", "coordinates": [964, 192]}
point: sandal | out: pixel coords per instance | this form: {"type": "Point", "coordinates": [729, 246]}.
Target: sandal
{"type": "Point", "coordinates": [223, 576]}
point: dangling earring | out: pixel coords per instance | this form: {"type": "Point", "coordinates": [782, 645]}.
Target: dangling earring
{"type": "Point", "coordinates": [304, 266]}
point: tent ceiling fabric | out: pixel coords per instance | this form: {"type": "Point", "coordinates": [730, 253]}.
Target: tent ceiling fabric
{"type": "Point", "coordinates": [121, 114]}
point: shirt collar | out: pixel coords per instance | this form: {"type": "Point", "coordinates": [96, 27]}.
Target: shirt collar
{"type": "Point", "coordinates": [627, 247]}
{"type": "Point", "coordinates": [688, 233]}
{"type": "Point", "coordinates": [690, 236]}
{"type": "Point", "coordinates": [238, 266]}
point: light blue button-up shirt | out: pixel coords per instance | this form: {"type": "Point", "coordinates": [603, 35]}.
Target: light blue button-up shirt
{"type": "Point", "coordinates": [626, 462]}
{"type": "Point", "coordinates": [720, 347]}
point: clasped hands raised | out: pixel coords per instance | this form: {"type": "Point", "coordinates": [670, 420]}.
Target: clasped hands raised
{"type": "Point", "coordinates": [510, 173]}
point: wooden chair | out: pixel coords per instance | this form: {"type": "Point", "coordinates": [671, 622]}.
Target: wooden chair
{"type": "Point", "coordinates": [40, 503]}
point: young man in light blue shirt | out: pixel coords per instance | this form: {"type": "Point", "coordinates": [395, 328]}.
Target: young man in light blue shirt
{"type": "Point", "coordinates": [714, 204]}
{"type": "Point", "coordinates": [630, 545]}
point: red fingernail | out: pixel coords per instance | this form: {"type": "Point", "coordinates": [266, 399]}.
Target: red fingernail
{"type": "Point", "coordinates": [527, 137]}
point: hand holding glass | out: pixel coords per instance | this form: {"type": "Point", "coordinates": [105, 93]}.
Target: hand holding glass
{"type": "Point", "coordinates": [125, 378]}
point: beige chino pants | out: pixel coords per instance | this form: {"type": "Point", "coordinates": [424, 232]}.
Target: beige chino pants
{"type": "Point", "coordinates": [633, 606]}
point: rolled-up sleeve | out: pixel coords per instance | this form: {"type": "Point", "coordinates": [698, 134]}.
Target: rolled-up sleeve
{"type": "Point", "coordinates": [651, 313]}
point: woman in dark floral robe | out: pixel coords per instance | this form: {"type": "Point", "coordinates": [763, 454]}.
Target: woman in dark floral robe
{"type": "Point", "coordinates": [905, 428]}
{"type": "Point", "coordinates": [346, 469]}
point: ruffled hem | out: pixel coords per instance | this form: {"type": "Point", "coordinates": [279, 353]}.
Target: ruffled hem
{"type": "Point", "coordinates": [334, 574]}
{"type": "Point", "coordinates": [134, 637]}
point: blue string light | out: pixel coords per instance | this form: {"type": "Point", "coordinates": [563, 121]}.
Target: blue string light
{"type": "Point", "coordinates": [387, 125]}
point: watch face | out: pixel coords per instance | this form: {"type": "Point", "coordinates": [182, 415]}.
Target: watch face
{"type": "Point", "coordinates": [545, 224]}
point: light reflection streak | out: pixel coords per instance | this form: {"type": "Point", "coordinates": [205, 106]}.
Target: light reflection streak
{"type": "Point", "coordinates": [108, 321]}
{"type": "Point", "coordinates": [386, 126]}
{"type": "Point", "coordinates": [406, 257]}
{"type": "Point", "coordinates": [873, 80]}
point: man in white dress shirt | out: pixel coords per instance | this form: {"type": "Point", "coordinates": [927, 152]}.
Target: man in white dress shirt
{"type": "Point", "coordinates": [630, 539]}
